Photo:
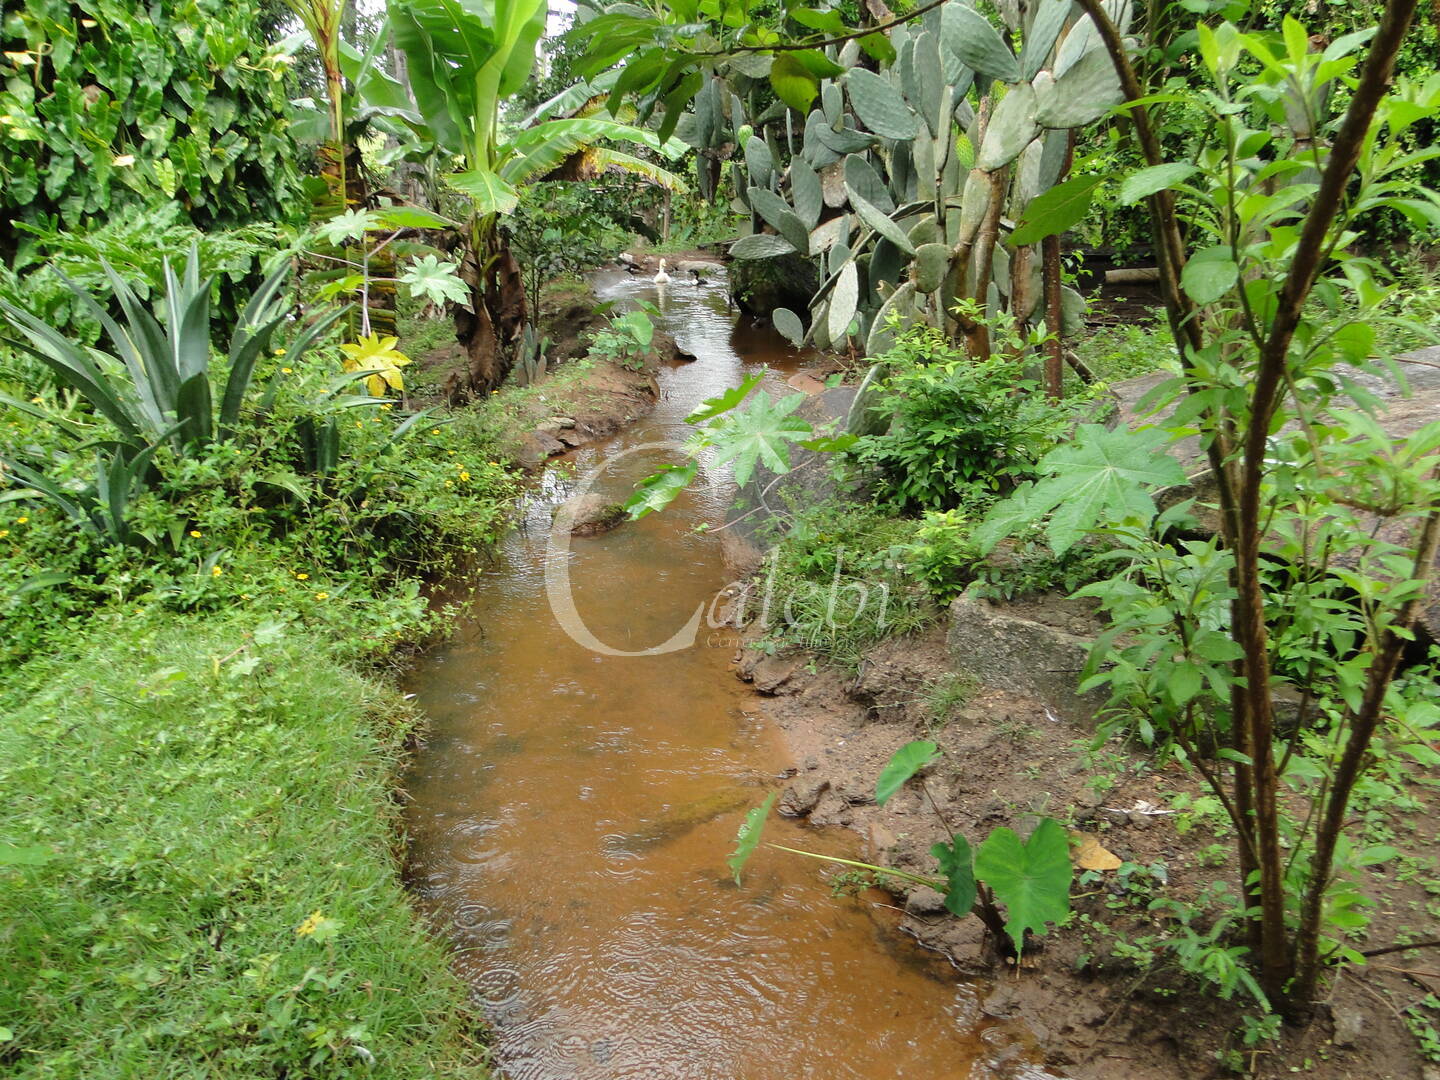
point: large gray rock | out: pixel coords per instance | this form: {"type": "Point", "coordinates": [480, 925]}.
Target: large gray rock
{"type": "Point", "coordinates": [1025, 651]}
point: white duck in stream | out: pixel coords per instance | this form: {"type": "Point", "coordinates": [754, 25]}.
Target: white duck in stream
{"type": "Point", "coordinates": [662, 278]}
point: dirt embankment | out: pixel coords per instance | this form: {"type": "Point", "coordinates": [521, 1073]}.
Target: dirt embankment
{"type": "Point", "coordinates": [1010, 759]}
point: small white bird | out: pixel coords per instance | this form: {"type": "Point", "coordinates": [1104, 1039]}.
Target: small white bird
{"type": "Point", "coordinates": [662, 278]}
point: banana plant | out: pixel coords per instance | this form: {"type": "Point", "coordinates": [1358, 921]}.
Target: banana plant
{"type": "Point", "coordinates": [465, 59]}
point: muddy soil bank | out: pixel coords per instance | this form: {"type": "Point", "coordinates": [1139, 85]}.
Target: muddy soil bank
{"type": "Point", "coordinates": [1008, 759]}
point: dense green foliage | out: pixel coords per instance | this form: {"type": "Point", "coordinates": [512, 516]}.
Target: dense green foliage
{"type": "Point", "coordinates": [109, 104]}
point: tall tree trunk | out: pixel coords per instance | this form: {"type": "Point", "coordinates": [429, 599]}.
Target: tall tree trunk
{"type": "Point", "coordinates": [490, 331]}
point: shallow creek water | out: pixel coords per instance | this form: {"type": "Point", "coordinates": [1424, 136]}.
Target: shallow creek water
{"type": "Point", "coordinates": [572, 810]}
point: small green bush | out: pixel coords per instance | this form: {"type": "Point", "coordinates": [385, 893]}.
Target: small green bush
{"type": "Point", "coordinates": [958, 427]}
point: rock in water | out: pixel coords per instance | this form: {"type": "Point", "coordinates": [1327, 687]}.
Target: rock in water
{"type": "Point", "coordinates": [588, 515]}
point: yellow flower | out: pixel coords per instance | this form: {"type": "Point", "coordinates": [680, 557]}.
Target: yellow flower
{"type": "Point", "coordinates": [464, 475]}
{"type": "Point", "coordinates": [195, 533]}
{"type": "Point", "coordinates": [279, 352]}
{"type": "Point", "coordinates": [302, 577]}
{"type": "Point", "coordinates": [286, 371]}
{"type": "Point", "coordinates": [322, 596]}
{"type": "Point", "coordinates": [359, 424]}
{"type": "Point", "coordinates": [215, 571]}
{"type": "Point", "coordinates": [386, 407]}
{"type": "Point", "coordinates": [450, 452]}
{"type": "Point", "coordinates": [311, 924]}
{"type": "Point", "coordinates": [21, 520]}
{"type": "Point", "coordinates": [37, 400]}
{"type": "Point", "coordinates": [4, 533]}
{"type": "Point", "coordinates": [434, 431]}
{"type": "Point", "coordinates": [449, 483]}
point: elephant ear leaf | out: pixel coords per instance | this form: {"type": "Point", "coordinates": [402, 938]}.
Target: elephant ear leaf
{"type": "Point", "coordinates": [1032, 879]}
{"type": "Point", "coordinates": [905, 763]}
{"type": "Point", "coordinates": [957, 864]}
{"type": "Point", "coordinates": [748, 838]}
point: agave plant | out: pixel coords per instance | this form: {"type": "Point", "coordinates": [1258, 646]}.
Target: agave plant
{"type": "Point", "coordinates": [157, 385]}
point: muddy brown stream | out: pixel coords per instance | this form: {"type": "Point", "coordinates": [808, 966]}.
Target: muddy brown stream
{"type": "Point", "coordinates": [572, 810]}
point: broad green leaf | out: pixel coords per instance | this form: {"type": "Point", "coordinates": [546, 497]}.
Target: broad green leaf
{"type": "Point", "coordinates": [880, 106]}
{"type": "Point", "coordinates": [903, 764]}
{"type": "Point", "coordinates": [350, 225]}
{"type": "Point", "coordinates": [1099, 479]}
{"type": "Point", "coordinates": [1209, 274]}
{"type": "Point", "coordinates": [793, 83]}
{"type": "Point", "coordinates": [489, 193]}
{"type": "Point", "coordinates": [411, 217]}
{"type": "Point", "coordinates": [659, 490]}
{"type": "Point", "coordinates": [436, 281]}
{"type": "Point", "coordinates": [748, 838]}
{"type": "Point", "coordinates": [957, 863]}
{"type": "Point", "coordinates": [713, 407]}
{"type": "Point", "coordinates": [1055, 210]}
{"type": "Point", "coordinates": [760, 434]}
{"type": "Point", "coordinates": [1138, 185]}
{"type": "Point", "coordinates": [1032, 879]}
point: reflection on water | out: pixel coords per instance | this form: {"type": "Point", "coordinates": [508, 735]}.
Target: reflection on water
{"type": "Point", "coordinates": [572, 813]}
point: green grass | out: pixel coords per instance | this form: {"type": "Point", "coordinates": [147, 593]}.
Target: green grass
{"type": "Point", "coordinates": [205, 789]}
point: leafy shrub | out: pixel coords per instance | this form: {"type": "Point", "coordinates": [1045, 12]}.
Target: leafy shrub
{"type": "Point", "coordinates": [322, 501]}
{"type": "Point", "coordinates": [957, 426]}
{"type": "Point", "coordinates": [117, 103]}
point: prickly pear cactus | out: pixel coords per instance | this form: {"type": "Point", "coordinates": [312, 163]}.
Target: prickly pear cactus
{"type": "Point", "coordinates": [906, 183]}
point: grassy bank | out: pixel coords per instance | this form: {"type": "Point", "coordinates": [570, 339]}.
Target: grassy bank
{"type": "Point", "coordinates": [198, 843]}
{"type": "Point", "coordinates": [220, 897]}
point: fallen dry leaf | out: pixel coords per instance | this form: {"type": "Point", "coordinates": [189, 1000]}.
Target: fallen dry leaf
{"type": "Point", "coordinates": [1090, 855]}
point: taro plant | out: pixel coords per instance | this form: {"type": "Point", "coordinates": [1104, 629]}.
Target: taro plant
{"type": "Point", "coordinates": [1326, 525]}
{"type": "Point", "coordinates": [1015, 887]}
